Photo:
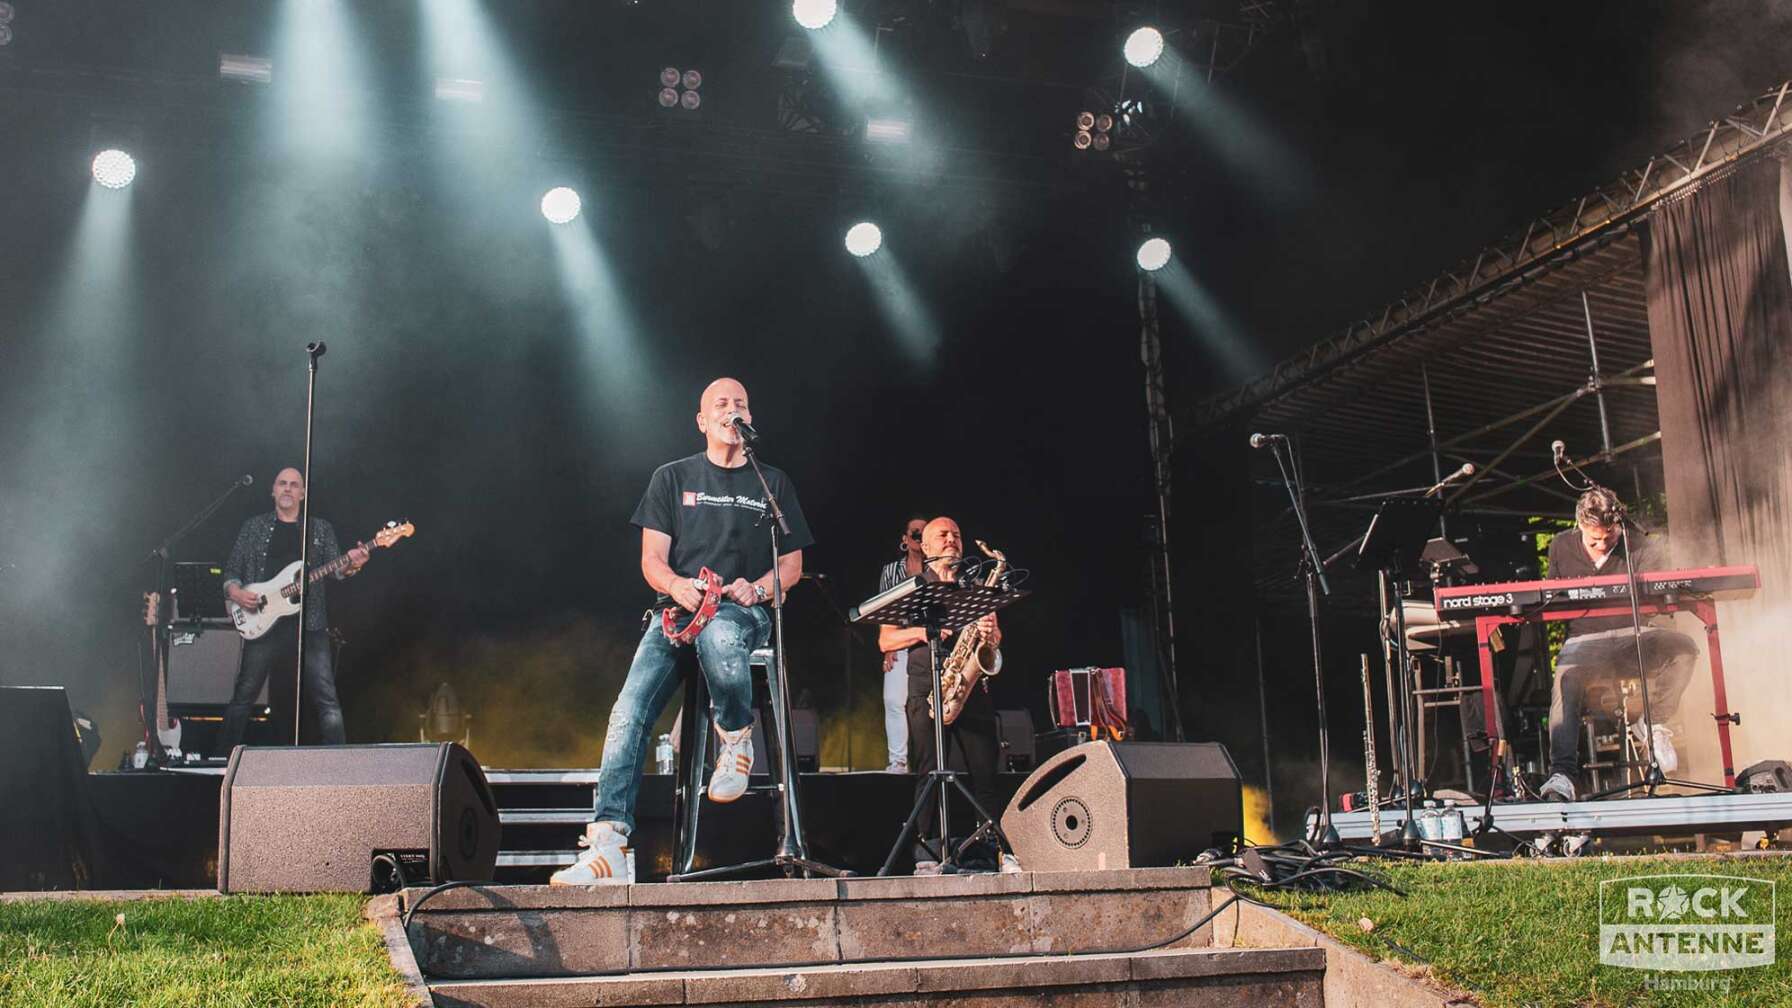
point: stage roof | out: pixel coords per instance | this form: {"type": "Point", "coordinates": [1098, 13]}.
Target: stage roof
{"type": "Point", "coordinates": [1506, 343]}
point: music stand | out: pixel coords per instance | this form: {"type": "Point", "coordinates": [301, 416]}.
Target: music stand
{"type": "Point", "coordinates": [937, 606]}
{"type": "Point", "coordinates": [1392, 546]}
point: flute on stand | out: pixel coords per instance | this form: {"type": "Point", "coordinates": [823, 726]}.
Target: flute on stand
{"type": "Point", "coordinates": [1370, 790]}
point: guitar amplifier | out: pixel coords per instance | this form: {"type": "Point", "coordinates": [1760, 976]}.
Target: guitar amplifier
{"type": "Point", "coordinates": [203, 656]}
{"type": "Point", "coordinates": [198, 591]}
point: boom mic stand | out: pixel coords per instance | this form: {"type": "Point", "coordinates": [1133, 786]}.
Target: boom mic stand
{"type": "Point", "coordinates": [160, 556]}
{"type": "Point", "coordinates": [1324, 835]}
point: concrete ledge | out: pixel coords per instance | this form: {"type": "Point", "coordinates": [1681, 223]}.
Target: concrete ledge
{"type": "Point", "coordinates": [1352, 979]}
{"type": "Point", "coordinates": [1242, 978]}
{"type": "Point", "coordinates": [538, 931]}
{"type": "Point", "coordinates": [384, 912]}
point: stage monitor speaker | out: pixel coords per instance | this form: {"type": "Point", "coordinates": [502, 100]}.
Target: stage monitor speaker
{"type": "Point", "coordinates": [312, 819]}
{"type": "Point", "coordinates": [1125, 805]}
{"type": "Point", "coordinates": [47, 835]}
{"type": "Point", "coordinates": [202, 663]}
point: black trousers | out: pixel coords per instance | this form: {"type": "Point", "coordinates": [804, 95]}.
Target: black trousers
{"type": "Point", "coordinates": [971, 748]}
{"type": "Point", "coordinates": [274, 654]}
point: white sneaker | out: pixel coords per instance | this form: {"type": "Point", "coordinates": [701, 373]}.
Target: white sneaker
{"type": "Point", "coordinates": [1011, 865]}
{"type": "Point", "coordinates": [927, 868]}
{"type": "Point", "coordinates": [1664, 745]}
{"type": "Point", "coordinates": [897, 766]}
{"type": "Point", "coordinates": [607, 859]}
{"type": "Point", "coordinates": [1558, 786]}
{"type": "Point", "coordinates": [734, 762]}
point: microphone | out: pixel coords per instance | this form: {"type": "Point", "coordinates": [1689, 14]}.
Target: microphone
{"type": "Point", "coordinates": [316, 349]}
{"type": "Point", "coordinates": [1261, 440]}
{"type": "Point", "coordinates": [1558, 451]}
{"type": "Point", "coordinates": [741, 425]}
{"type": "Point", "coordinates": [245, 480]}
{"type": "Point", "coordinates": [1467, 470]}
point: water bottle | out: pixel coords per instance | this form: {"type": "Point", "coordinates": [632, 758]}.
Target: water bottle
{"type": "Point", "coordinates": [140, 758]}
{"type": "Point", "coordinates": [662, 754]}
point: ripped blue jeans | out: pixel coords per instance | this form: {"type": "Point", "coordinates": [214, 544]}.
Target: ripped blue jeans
{"type": "Point", "coordinates": [724, 649]}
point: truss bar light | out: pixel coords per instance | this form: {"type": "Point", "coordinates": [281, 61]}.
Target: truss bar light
{"type": "Point", "coordinates": [247, 69]}
{"type": "Point", "coordinates": [114, 169]}
{"type": "Point", "coordinates": [459, 89]}
{"type": "Point", "coordinates": [886, 129]}
{"type": "Point", "coordinates": [560, 205]}
{"type": "Point", "coordinates": [864, 238]}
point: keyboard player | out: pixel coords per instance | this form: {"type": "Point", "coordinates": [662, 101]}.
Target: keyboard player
{"type": "Point", "coordinates": [1599, 650]}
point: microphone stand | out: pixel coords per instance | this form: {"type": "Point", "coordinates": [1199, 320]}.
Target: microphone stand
{"type": "Point", "coordinates": [160, 556]}
{"type": "Point", "coordinates": [1324, 835]}
{"type": "Point", "coordinates": [313, 351]}
{"type": "Point", "coordinates": [792, 854]}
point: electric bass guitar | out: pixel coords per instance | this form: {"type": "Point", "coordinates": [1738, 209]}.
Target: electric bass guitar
{"type": "Point", "coordinates": [167, 728]}
{"type": "Point", "coordinates": [279, 594]}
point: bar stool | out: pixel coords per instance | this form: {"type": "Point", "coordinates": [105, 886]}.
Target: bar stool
{"type": "Point", "coordinates": [696, 730]}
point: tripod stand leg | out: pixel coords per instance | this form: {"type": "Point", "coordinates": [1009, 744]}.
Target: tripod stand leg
{"type": "Point", "coordinates": [911, 829]}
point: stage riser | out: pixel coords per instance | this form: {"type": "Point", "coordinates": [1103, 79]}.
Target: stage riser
{"type": "Point", "coordinates": [534, 931]}
{"type": "Point", "coordinates": [1254, 978]}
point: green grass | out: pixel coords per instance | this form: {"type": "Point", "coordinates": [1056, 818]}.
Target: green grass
{"type": "Point", "coordinates": [1527, 934]}
{"type": "Point", "coordinates": [215, 953]}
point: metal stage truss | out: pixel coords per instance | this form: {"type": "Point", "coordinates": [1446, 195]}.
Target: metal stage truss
{"type": "Point", "coordinates": [1543, 245]}
{"type": "Point", "coordinates": [1539, 337]}
{"type": "Point", "coordinates": [1668, 815]}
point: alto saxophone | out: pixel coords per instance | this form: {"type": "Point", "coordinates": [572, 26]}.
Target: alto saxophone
{"type": "Point", "coordinates": [961, 670]}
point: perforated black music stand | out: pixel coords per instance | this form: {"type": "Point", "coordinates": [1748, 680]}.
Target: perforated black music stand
{"type": "Point", "coordinates": [938, 606]}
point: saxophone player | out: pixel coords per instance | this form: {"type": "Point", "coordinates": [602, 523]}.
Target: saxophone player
{"type": "Point", "coordinates": [971, 742]}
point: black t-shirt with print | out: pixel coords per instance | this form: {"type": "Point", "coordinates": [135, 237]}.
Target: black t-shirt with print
{"type": "Point", "coordinates": [713, 516]}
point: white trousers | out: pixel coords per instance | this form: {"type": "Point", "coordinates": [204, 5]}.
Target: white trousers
{"type": "Point", "coordinates": [896, 709]}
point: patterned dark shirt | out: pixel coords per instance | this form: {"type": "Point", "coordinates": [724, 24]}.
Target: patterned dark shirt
{"type": "Point", "coordinates": [248, 562]}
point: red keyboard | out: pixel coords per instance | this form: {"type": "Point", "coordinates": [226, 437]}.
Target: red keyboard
{"type": "Point", "coordinates": [1518, 598]}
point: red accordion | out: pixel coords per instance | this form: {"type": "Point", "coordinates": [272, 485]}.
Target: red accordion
{"type": "Point", "coordinates": [1092, 698]}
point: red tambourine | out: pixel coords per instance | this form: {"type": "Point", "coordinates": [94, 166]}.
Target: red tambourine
{"type": "Point", "coordinates": [712, 598]}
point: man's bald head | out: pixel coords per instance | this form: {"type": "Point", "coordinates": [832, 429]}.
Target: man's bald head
{"type": "Point", "coordinates": [722, 398]}
{"type": "Point", "coordinates": [941, 539]}
{"type": "Point", "coordinates": [288, 490]}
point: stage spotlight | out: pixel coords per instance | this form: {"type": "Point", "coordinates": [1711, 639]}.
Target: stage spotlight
{"type": "Point", "coordinates": [459, 89]}
{"type": "Point", "coordinates": [814, 14]}
{"type": "Point", "coordinates": [1104, 123]}
{"type": "Point", "coordinates": [693, 80]}
{"type": "Point", "coordinates": [690, 100]}
{"type": "Point", "coordinates": [1154, 255]}
{"type": "Point", "coordinates": [888, 129]}
{"type": "Point", "coordinates": [5, 34]}
{"type": "Point", "coordinates": [668, 97]}
{"type": "Point", "coordinates": [1085, 121]}
{"type": "Point", "coordinates": [864, 238]}
{"type": "Point", "coordinates": [1102, 141]}
{"type": "Point", "coordinates": [560, 205]}
{"type": "Point", "coordinates": [114, 169]}
{"type": "Point", "coordinates": [1144, 46]}
{"type": "Point", "coordinates": [1083, 140]}
{"type": "Point", "coordinates": [669, 77]}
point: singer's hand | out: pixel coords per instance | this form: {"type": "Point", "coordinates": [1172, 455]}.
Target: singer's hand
{"type": "Point", "coordinates": [685, 594]}
{"type": "Point", "coordinates": [741, 592]}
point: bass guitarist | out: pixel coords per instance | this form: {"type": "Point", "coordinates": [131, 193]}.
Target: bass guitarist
{"type": "Point", "coordinates": [266, 544]}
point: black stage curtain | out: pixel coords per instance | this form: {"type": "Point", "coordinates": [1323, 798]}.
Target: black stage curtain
{"type": "Point", "coordinates": [1720, 321]}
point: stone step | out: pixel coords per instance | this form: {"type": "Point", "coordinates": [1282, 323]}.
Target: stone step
{"type": "Point", "coordinates": [506, 932]}
{"type": "Point", "coordinates": [1232, 978]}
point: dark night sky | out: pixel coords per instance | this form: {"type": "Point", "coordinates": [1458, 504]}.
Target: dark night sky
{"type": "Point", "coordinates": [150, 357]}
